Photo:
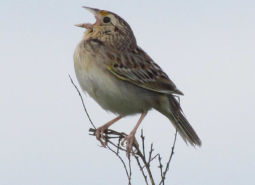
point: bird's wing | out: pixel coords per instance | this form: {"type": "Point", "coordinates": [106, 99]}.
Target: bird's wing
{"type": "Point", "coordinates": [136, 67]}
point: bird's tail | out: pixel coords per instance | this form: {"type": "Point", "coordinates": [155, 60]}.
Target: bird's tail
{"type": "Point", "coordinates": [179, 121]}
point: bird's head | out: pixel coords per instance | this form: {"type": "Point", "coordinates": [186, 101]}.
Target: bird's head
{"type": "Point", "coordinates": [109, 28]}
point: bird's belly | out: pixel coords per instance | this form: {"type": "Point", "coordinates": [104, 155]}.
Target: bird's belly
{"type": "Point", "coordinates": [112, 94]}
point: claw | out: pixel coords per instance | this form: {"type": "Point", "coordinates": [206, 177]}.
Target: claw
{"type": "Point", "coordinates": [100, 131]}
{"type": "Point", "coordinates": [100, 135]}
{"type": "Point", "coordinates": [130, 141]}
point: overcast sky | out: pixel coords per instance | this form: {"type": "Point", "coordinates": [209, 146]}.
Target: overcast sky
{"type": "Point", "coordinates": [206, 47]}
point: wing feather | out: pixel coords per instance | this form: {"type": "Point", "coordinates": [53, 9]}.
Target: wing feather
{"type": "Point", "coordinates": [139, 69]}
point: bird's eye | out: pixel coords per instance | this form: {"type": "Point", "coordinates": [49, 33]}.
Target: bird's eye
{"type": "Point", "coordinates": [106, 19]}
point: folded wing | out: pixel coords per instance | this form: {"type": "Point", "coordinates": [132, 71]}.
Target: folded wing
{"type": "Point", "coordinates": [136, 67]}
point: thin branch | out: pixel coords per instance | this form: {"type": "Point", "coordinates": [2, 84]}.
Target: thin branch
{"type": "Point", "coordinates": [169, 160]}
{"type": "Point", "coordinates": [161, 169]}
{"type": "Point", "coordinates": [130, 170]}
{"type": "Point", "coordinates": [120, 135]}
{"type": "Point", "coordinates": [118, 147]}
{"type": "Point", "coordinates": [150, 153]}
{"type": "Point", "coordinates": [142, 137]}
{"type": "Point", "coordinates": [141, 169]}
{"type": "Point", "coordinates": [147, 166]}
{"type": "Point", "coordinates": [137, 153]}
{"type": "Point", "coordinates": [84, 107]}
{"type": "Point", "coordinates": [154, 157]}
{"type": "Point", "coordinates": [172, 153]}
{"type": "Point", "coordinates": [124, 165]}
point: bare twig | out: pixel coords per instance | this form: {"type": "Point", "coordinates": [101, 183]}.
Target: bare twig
{"type": "Point", "coordinates": [130, 170]}
{"type": "Point", "coordinates": [169, 160]}
{"type": "Point", "coordinates": [161, 169]}
{"type": "Point", "coordinates": [84, 107]}
{"type": "Point", "coordinates": [118, 147]}
{"type": "Point", "coordinates": [119, 135]}
{"type": "Point", "coordinates": [141, 169]}
{"type": "Point", "coordinates": [142, 137]}
{"type": "Point", "coordinates": [150, 153]}
{"type": "Point", "coordinates": [124, 165]}
{"type": "Point", "coordinates": [154, 157]}
{"type": "Point", "coordinates": [147, 166]}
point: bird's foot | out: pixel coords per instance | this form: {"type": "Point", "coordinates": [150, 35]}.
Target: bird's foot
{"type": "Point", "coordinates": [130, 141]}
{"type": "Point", "coordinates": [100, 135]}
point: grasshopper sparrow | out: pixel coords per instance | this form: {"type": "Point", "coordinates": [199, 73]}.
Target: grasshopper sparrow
{"type": "Point", "coordinates": [123, 79]}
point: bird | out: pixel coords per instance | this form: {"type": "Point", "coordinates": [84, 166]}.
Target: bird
{"type": "Point", "coordinates": [123, 79]}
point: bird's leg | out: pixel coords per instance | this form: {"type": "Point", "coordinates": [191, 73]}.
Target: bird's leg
{"type": "Point", "coordinates": [130, 139]}
{"type": "Point", "coordinates": [100, 131]}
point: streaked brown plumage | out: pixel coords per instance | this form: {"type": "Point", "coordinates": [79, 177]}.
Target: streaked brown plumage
{"type": "Point", "coordinates": [122, 77]}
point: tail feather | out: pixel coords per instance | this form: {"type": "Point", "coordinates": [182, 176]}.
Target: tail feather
{"type": "Point", "coordinates": [181, 123]}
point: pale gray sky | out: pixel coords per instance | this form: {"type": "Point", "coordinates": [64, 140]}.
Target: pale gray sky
{"type": "Point", "coordinates": [206, 47]}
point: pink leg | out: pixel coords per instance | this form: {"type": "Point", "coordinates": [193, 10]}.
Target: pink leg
{"type": "Point", "coordinates": [131, 137]}
{"type": "Point", "coordinates": [100, 131]}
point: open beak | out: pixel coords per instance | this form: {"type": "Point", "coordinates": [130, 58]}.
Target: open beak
{"type": "Point", "coordinates": [88, 25]}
